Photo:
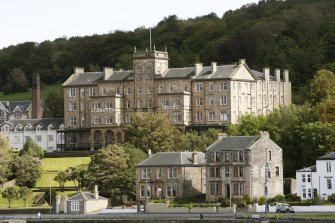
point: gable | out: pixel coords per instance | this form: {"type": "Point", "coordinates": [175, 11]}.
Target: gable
{"type": "Point", "coordinates": [242, 73]}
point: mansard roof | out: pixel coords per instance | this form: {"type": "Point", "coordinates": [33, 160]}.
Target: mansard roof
{"type": "Point", "coordinates": [43, 123]}
{"type": "Point", "coordinates": [330, 156]}
{"type": "Point", "coordinates": [173, 159]}
{"type": "Point", "coordinates": [233, 143]}
{"type": "Point", "coordinates": [10, 106]}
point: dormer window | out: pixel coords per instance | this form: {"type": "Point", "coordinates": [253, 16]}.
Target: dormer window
{"type": "Point", "coordinates": [50, 127]}
{"type": "Point", "coordinates": [26, 128]}
{"type": "Point", "coordinates": [38, 127]}
{"type": "Point", "coordinates": [2, 114]}
{"type": "Point", "coordinates": [17, 114]}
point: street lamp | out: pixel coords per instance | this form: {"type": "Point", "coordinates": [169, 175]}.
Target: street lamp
{"type": "Point", "coordinates": [50, 193]}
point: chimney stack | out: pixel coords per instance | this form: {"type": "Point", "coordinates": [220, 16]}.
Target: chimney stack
{"type": "Point", "coordinates": [78, 70]}
{"type": "Point", "coordinates": [221, 136]}
{"type": "Point", "coordinates": [108, 72]}
{"type": "Point", "coordinates": [195, 158]}
{"type": "Point", "coordinates": [286, 78]}
{"type": "Point", "coordinates": [36, 97]}
{"type": "Point", "coordinates": [213, 67]}
{"type": "Point", "coordinates": [264, 135]}
{"type": "Point", "coordinates": [266, 72]}
{"type": "Point", "coordinates": [96, 192]}
{"type": "Point", "coordinates": [277, 74]}
{"type": "Point", "coordinates": [149, 152]}
{"type": "Point", "coordinates": [241, 61]}
{"type": "Point", "coordinates": [198, 68]}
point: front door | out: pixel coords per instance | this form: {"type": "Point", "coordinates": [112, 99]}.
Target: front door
{"type": "Point", "coordinates": [159, 193]}
{"type": "Point", "coordinates": [228, 190]}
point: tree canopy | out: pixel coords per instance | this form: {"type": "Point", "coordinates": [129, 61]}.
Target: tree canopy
{"type": "Point", "coordinates": [5, 159]}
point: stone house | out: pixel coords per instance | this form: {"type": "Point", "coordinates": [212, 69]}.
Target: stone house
{"type": "Point", "coordinates": [318, 179]}
{"type": "Point", "coordinates": [243, 165]}
{"type": "Point", "coordinates": [170, 174]}
{"type": "Point", "coordinates": [97, 105]}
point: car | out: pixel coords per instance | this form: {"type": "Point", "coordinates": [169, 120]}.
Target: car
{"type": "Point", "coordinates": [284, 208]}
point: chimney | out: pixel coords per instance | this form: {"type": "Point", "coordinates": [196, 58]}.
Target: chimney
{"type": "Point", "coordinates": [149, 152]}
{"type": "Point", "coordinates": [36, 97]}
{"type": "Point", "coordinates": [241, 61]}
{"type": "Point", "coordinates": [286, 77]}
{"type": "Point", "coordinates": [78, 70]}
{"type": "Point", "coordinates": [264, 135]}
{"type": "Point", "coordinates": [194, 157]}
{"type": "Point", "coordinates": [277, 74]}
{"type": "Point", "coordinates": [108, 72]}
{"type": "Point", "coordinates": [221, 136]}
{"type": "Point", "coordinates": [96, 192]}
{"type": "Point", "coordinates": [266, 72]}
{"type": "Point", "coordinates": [213, 67]}
{"type": "Point", "coordinates": [198, 68]}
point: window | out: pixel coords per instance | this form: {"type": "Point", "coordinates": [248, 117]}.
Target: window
{"type": "Point", "coordinates": [198, 87]}
{"type": "Point", "coordinates": [223, 116]}
{"type": "Point", "coordinates": [97, 106]}
{"type": "Point", "coordinates": [172, 173]}
{"type": "Point", "coordinates": [17, 114]}
{"type": "Point", "coordinates": [72, 92]}
{"type": "Point", "coordinates": [128, 92]}
{"type": "Point", "coordinates": [211, 116]}
{"type": "Point", "coordinates": [223, 100]}
{"type": "Point", "coordinates": [72, 121]}
{"type": "Point", "coordinates": [309, 193]}
{"type": "Point", "coordinates": [235, 188]}
{"type": "Point", "coordinates": [82, 106]}
{"type": "Point", "coordinates": [217, 171]}
{"type": "Point", "coordinates": [96, 120]}
{"type": "Point", "coordinates": [227, 171]}
{"type": "Point", "coordinates": [50, 137]}
{"type": "Point", "coordinates": [198, 117]}
{"type": "Point", "coordinates": [160, 89]}
{"type": "Point", "coordinates": [241, 171]}
{"type": "Point", "coordinates": [329, 183]}
{"type": "Point", "coordinates": [146, 173]}
{"type": "Point", "coordinates": [277, 172]}
{"type": "Point", "coordinates": [82, 92]}
{"type": "Point", "coordinates": [210, 87]}
{"type": "Point", "coordinates": [170, 87]}
{"type": "Point", "coordinates": [38, 138]}
{"type": "Point", "coordinates": [149, 89]}
{"type": "Point", "coordinates": [109, 119]}
{"type": "Point", "coordinates": [91, 92]}
{"type": "Point", "coordinates": [303, 176]}
{"type": "Point", "coordinates": [176, 117]}
{"type": "Point", "coordinates": [304, 193]}
{"type": "Point", "coordinates": [241, 156]}
{"type": "Point", "coordinates": [270, 155]}
{"type": "Point", "coordinates": [269, 174]}
{"type": "Point", "coordinates": [159, 173]}
{"type": "Point", "coordinates": [199, 102]}
{"type": "Point", "coordinates": [145, 191]}
{"type": "Point", "coordinates": [82, 121]}
{"type": "Point", "coordinates": [103, 91]}
{"type": "Point", "coordinates": [117, 91]}
{"type": "Point", "coordinates": [227, 156]}
{"type": "Point", "coordinates": [212, 188]}
{"type": "Point", "coordinates": [223, 86]}
{"type": "Point", "coordinates": [149, 103]}
{"type": "Point", "coordinates": [72, 106]}
{"type": "Point", "coordinates": [75, 206]}
{"type": "Point", "coordinates": [235, 171]}
{"type": "Point", "coordinates": [109, 104]}
{"type": "Point", "coordinates": [176, 102]}
{"type": "Point", "coordinates": [138, 104]}
{"type": "Point", "coordinates": [329, 169]}
{"type": "Point", "coordinates": [128, 104]}
{"type": "Point", "coordinates": [308, 178]}
{"type": "Point", "coordinates": [211, 101]}
{"type": "Point", "coordinates": [139, 90]}
{"type": "Point", "coordinates": [235, 156]}
{"type": "Point", "coordinates": [241, 188]}
{"type": "Point", "coordinates": [171, 190]}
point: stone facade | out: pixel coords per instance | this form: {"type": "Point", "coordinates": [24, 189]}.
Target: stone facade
{"type": "Point", "coordinates": [236, 166]}
{"type": "Point", "coordinates": [168, 179]}
{"type": "Point", "coordinates": [98, 104]}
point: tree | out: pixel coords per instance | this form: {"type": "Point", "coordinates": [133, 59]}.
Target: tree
{"type": "Point", "coordinates": [5, 159]}
{"type": "Point", "coordinates": [27, 170]}
{"type": "Point", "coordinates": [322, 87]}
{"type": "Point", "coordinates": [30, 148]}
{"type": "Point", "coordinates": [61, 178]}
{"type": "Point", "coordinates": [108, 168]}
{"type": "Point", "coordinates": [81, 176]}
{"type": "Point", "coordinates": [24, 193]}
{"type": "Point", "coordinates": [17, 81]}
{"type": "Point", "coordinates": [135, 155]}
{"type": "Point", "coordinates": [248, 125]}
{"type": "Point", "coordinates": [54, 103]}
{"type": "Point", "coordinates": [151, 131]}
{"type": "Point", "coordinates": [10, 193]}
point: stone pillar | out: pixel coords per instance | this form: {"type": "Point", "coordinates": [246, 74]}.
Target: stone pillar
{"type": "Point", "coordinates": [65, 204]}
{"type": "Point", "coordinates": [57, 204]}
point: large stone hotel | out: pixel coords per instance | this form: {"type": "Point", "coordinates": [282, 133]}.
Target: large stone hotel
{"type": "Point", "coordinates": [97, 105]}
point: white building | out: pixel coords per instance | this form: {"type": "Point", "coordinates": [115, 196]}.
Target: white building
{"type": "Point", "coordinates": [317, 180]}
{"type": "Point", "coordinates": [44, 132]}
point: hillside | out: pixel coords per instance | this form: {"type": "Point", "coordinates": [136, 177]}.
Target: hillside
{"type": "Point", "coordinates": [296, 34]}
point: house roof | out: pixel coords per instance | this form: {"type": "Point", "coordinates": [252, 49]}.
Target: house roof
{"type": "Point", "coordinates": [22, 105]}
{"type": "Point", "coordinates": [233, 143]}
{"type": "Point", "coordinates": [308, 169]}
{"type": "Point", "coordinates": [43, 123]}
{"type": "Point", "coordinates": [84, 196]}
{"type": "Point", "coordinates": [330, 156]}
{"type": "Point", "coordinates": [173, 159]}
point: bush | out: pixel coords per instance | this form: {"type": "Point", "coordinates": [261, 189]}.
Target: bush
{"type": "Point", "coordinates": [239, 202]}
{"type": "Point", "coordinates": [247, 199]}
{"type": "Point", "coordinates": [292, 198]}
{"type": "Point", "coordinates": [331, 198]}
{"type": "Point", "coordinates": [261, 200]}
{"type": "Point", "coordinates": [224, 202]}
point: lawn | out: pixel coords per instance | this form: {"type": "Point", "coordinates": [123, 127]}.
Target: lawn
{"type": "Point", "coordinates": [19, 203]}
{"type": "Point", "coordinates": [25, 96]}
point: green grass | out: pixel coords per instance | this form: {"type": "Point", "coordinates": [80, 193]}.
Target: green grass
{"type": "Point", "coordinates": [19, 203]}
{"type": "Point", "coordinates": [25, 96]}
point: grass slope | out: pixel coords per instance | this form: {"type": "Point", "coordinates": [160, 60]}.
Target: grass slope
{"type": "Point", "coordinates": [25, 96]}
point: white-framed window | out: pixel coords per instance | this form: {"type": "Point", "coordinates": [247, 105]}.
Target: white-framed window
{"type": "Point", "coordinates": [139, 90]}
{"type": "Point", "coordinates": [223, 116]}
{"type": "Point", "coordinates": [277, 173]}
{"type": "Point", "coordinates": [159, 173]}
{"type": "Point", "coordinates": [109, 104]}
{"type": "Point", "coordinates": [145, 191]}
{"type": "Point", "coordinates": [329, 183]}
{"type": "Point", "coordinates": [109, 119]}
{"type": "Point", "coordinates": [96, 119]}
{"type": "Point", "coordinates": [223, 86]}
{"type": "Point", "coordinates": [176, 102]}
{"type": "Point", "coordinates": [199, 101]}
{"type": "Point", "coordinates": [82, 120]}
{"type": "Point", "coordinates": [103, 91]}
{"type": "Point", "coordinates": [149, 89]}
{"type": "Point", "coordinates": [304, 193]}
{"type": "Point", "coordinates": [50, 138]}
{"type": "Point", "coordinates": [91, 92]}
{"type": "Point", "coordinates": [72, 106]}
{"type": "Point", "coordinates": [198, 117]}
{"type": "Point", "coordinates": [329, 168]}
{"type": "Point", "coordinates": [127, 119]}
{"type": "Point", "coordinates": [303, 178]}
{"type": "Point", "coordinates": [149, 103]}
{"type": "Point", "coordinates": [241, 188]}
{"type": "Point", "coordinates": [138, 104]}
{"type": "Point", "coordinates": [235, 187]}
{"type": "Point", "coordinates": [128, 104]}
{"type": "Point", "coordinates": [38, 138]}
{"type": "Point", "coordinates": [223, 100]}
{"type": "Point", "coordinates": [82, 106]}
{"type": "Point", "coordinates": [170, 87]}
{"type": "Point", "coordinates": [172, 173]}
{"type": "Point", "coordinates": [146, 173]}
{"type": "Point", "coordinates": [72, 121]}
{"type": "Point", "coordinates": [211, 101]}
{"type": "Point", "coordinates": [75, 206]}
{"type": "Point", "coordinates": [72, 92]}
{"type": "Point", "coordinates": [97, 106]}
{"type": "Point", "coordinates": [211, 116]}
{"type": "Point", "coordinates": [128, 91]}
{"type": "Point", "coordinates": [198, 87]}
{"type": "Point", "coordinates": [160, 89]}
{"type": "Point", "coordinates": [82, 92]}
{"type": "Point", "coordinates": [210, 87]}
{"type": "Point", "coordinates": [165, 102]}
{"type": "Point", "coordinates": [176, 117]}
{"type": "Point", "coordinates": [171, 191]}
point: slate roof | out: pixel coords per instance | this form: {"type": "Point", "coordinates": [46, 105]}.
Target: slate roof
{"type": "Point", "coordinates": [308, 169]}
{"type": "Point", "coordinates": [260, 75]}
{"type": "Point", "coordinates": [233, 143]}
{"type": "Point", "coordinates": [330, 156]}
{"type": "Point", "coordinates": [84, 196]}
{"type": "Point", "coordinates": [23, 105]}
{"type": "Point", "coordinates": [172, 159]}
{"type": "Point", "coordinates": [44, 122]}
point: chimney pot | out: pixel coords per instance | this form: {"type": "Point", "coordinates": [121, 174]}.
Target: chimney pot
{"type": "Point", "coordinates": [78, 70]}
{"type": "Point", "coordinates": [149, 152]}
{"type": "Point", "coordinates": [198, 68]}
{"type": "Point", "coordinates": [266, 72]}
{"type": "Point", "coordinates": [108, 72]}
{"type": "Point", "coordinates": [286, 75]}
{"type": "Point", "coordinates": [214, 68]}
{"type": "Point", "coordinates": [264, 135]}
{"type": "Point", "coordinates": [96, 192]}
{"type": "Point", "coordinates": [277, 74]}
{"type": "Point", "coordinates": [36, 97]}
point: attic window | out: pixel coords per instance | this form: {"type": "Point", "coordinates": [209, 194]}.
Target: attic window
{"type": "Point", "coordinates": [38, 127]}
{"type": "Point", "coordinates": [17, 114]}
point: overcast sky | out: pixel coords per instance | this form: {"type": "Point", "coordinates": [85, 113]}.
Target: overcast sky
{"type": "Point", "coordinates": [39, 20]}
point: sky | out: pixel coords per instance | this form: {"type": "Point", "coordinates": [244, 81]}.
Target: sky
{"type": "Point", "coordinates": [40, 20]}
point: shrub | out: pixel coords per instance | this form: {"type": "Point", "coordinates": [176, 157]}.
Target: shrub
{"type": "Point", "coordinates": [225, 202]}
{"type": "Point", "coordinates": [292, 198]}
{"type": "Point", "coordinates": [239, 202]}
{"type": "Point", "coordinates": [331, 198]}
{"type": "Point", "coordinates": [247, 199]}
{"type": "Point", "coordinates": [261, 200]}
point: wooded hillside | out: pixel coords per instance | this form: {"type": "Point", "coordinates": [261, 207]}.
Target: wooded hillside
{"type": "Point", "coordinates": [296, 34]}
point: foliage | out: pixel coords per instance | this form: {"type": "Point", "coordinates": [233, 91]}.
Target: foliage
{"type": "Point", "coordinates": [30, 148]}
{"type": "Point", "coordinates": [61, 178]}
{"type": "Point", "coordinates": [16, 82]}
{"type": "Point", "coordinates": [331, 198]}
{"type": "Point", "coordinates": [5, 159]}
{"type": "Point", "coordinates": [151, 131]}
{"type": "Point", "coordinates": [261, 200]}
{"type": "Point", "coordinates": [110, 180]}
{"type": "Point", "coordinates": [24, 193]}
{"type": "Point", "coordinates": [135, 155]}
{"type": "Point", "coordinates": [47, 195]}
{"type": "Point", "coordinates": [54, 104]}
{"type": "Point", "coordinates": [247, 199]}
{"type": "Point", "coordinates": [240, 203]}
{"type": "Point", "coordinates": [322, 87]}
{"type": "Point", "coordinates": [10, 193]}
{"type": "Point", "coordinates": [248, 125]}
{"type": "Point", "coordinates": [225, 202]}
{"type": "Point", "coordinates": [27, 170]}
{"type": "Point", "coordinates": [292, 198]}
